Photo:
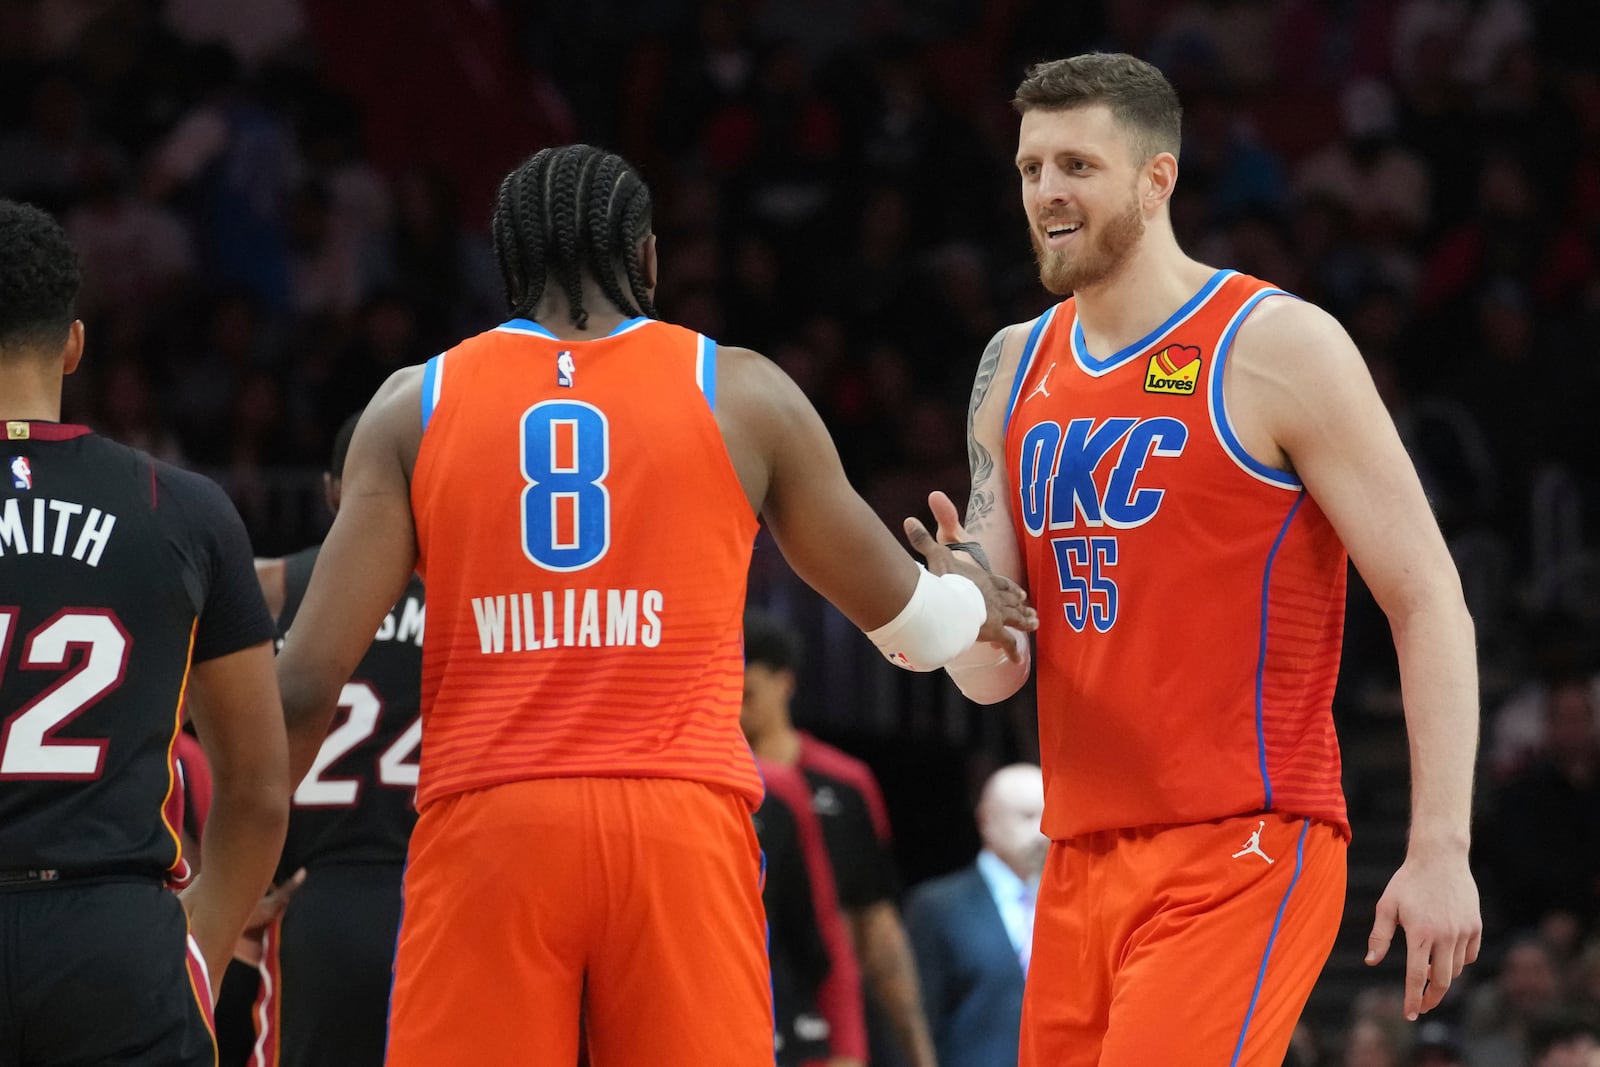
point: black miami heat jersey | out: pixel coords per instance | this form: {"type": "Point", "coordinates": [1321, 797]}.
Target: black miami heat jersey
{"type": "Point", "coordinates": [116, 572]}
{"type": "Point", "coordinates": [357, 803]}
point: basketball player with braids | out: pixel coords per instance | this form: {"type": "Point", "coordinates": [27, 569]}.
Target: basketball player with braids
{"type": "Point", "coordinates": [580, 488]}
{"type": "Point", "coordinates": [1176, 460]}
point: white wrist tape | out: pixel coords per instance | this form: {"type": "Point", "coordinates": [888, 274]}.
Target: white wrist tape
{"type": "Point", "coordinates": [938, 623]}
{"type": "Point", "coordinates": [985, 676]}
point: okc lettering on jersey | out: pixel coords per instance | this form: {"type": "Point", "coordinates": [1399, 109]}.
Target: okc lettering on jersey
{"type": "Point", "coordinates": [535, 621]}
{"type": "Point", "coordinates": [1057, 481]}
{"type": "Point", "coordinates": [51, 530]}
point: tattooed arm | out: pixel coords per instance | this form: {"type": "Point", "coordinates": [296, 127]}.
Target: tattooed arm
{"type": "Point", "coordinates": [988, 520]}
{"type": "Point", "coordinates": [984, 674]}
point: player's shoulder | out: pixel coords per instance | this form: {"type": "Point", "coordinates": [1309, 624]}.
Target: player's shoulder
{"type": "Point", "coordinates": [403, 388]}
{"type": "Point", "coordinates": [1295, 344]}
{"type": "Point", "coordinates": [189, 492]}
{"type": "Point", "coordinates": [1282, 320]}
{"type": "Point", "coordinates": [1009, 342]}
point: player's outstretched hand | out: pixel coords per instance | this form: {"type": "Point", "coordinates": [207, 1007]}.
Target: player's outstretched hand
{"type": "Point", "coordinates": [1435, 901]}
{"type": "Point", "coordinates": [268, 908]}
{"type": "Point", "coordinates": [1007, 603]}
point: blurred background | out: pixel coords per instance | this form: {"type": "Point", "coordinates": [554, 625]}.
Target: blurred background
{"type": "Point", "coordinates": [279, 202]}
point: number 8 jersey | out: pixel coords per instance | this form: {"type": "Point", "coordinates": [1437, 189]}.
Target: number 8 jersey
{"type": "Point", "coordinates": [585, 541]}
{"type": "Point", "coordinates": [1190, 598]}
{"type": "Point", "coordinates": [116, 571]}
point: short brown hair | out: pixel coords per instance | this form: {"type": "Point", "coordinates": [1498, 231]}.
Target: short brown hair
{"type": "Point", "coordinates": [1139, 96]}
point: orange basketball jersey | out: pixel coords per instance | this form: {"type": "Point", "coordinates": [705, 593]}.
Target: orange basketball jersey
{"type": "Point", "coordinates": [585, 542]}
{"type": "Point", "coordinates": [1191, 598]}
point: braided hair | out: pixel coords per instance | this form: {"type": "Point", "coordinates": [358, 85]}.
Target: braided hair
{"type": "Point", "coordinates": [567, 213]}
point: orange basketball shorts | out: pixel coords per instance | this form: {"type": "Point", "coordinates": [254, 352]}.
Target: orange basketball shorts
{"type": "Point", "coordinates": [1184, 946]}
{"type": "Point", "coordinates": [637, 901]}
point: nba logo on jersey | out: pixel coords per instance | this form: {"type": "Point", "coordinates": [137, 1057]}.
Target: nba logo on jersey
{"type": "Point", "coordinates": [21, 473]}
{"type": "Point", "coordinates": [565, 369]}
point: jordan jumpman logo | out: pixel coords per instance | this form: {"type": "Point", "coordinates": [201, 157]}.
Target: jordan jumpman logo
{"type": "Point", "coordinates": [1040, 388]}
{"type": "Point", "coordinates": [1254, 844]}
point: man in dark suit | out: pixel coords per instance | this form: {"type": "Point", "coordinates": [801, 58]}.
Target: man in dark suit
{"type": "Point", "coordinates": [972, 930]}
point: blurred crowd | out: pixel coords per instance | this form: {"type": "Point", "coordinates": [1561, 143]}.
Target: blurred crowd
{"type": "Point", "coordinates": [279, 203]}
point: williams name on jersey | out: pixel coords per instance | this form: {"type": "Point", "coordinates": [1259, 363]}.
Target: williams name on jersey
{"type": "Point", "coordinates": [598, 618]}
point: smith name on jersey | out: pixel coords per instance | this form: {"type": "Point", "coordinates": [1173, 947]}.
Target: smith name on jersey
{"type": "Point", "coordinates": [48, 526]}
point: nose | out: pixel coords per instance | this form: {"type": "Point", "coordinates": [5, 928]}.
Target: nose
{"type": "Point", "coordinates": [1052, 188]}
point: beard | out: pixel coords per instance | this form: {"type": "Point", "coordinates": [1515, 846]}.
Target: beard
{"type": "Point", "coordinates": [1065, 271]}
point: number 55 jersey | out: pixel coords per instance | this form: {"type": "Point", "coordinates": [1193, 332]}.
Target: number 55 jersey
{"type": "Point", "coordinates": [116, 572]}
{"type": "Point", "coordinates": [586, 618]}
{"type": "Point", "coordinates": [1190, 597]}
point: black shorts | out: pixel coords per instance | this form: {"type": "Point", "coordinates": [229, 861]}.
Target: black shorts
{"type": "Point", "coordinates": [101, 973]}
{"type": "Point", "coordinates": [328, 967]}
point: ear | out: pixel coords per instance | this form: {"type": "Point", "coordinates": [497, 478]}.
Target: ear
{"type": "Point", "coordinates": [72, 351]}
{"type": "Point", "coordinates": [330, 491]}
{"type": "Point", "coordinates": [647, 256]}
{"type": "Point", "coordinates": [1158, 180]}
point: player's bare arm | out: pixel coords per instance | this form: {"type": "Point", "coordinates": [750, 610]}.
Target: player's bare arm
{"type": "Point", "coordinates": [889, 970]}
{"type": "Point", "coordinates": [365, 563]}
{"type": "Point", "coordinates": [981, 675]}
{"type": "Point", "coordinates": [1301, 399]}
{"type": "Point", "coordinates": [988, 517]}
{"type": "Point", "coordinates": [233, 701]}
{"type": "Point", "coordinates": [794, 480]}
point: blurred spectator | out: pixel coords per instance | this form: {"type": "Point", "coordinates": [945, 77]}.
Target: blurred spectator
{"type": "Point", "coordinates": [807, 943]}
{"type": "Point", "coordinates": [233, 344]}
{"type": "Point", "coordinates": [230, 162]}
{"type": "Point", "coordinates": [46, 161]}
{"type": "Point", "coordinates": [1369, 172]}
{"type": "Point", "coordinates": [1436, 1045]}
{"type": "Point", "coordinates": [1526, 986]}
{"type": "Point", "coordinates": [1541, 839]}
{"type": "Point", "coordinates": [1375, 1041]}
{"type": "Point", "coordinates": [1225, 162]}
{"type": "Point", "coordinates": [444, 270]}
{"type": "Point", "coordinates": [972, 930]}
{"type": "Point", "coordinates": [847, 802]}
{"type": "Point", "coordinates": [136, 254]}
{"type": "Point", "coordinates": [128, 413]}
{"type": "Point", "coordinates": [1563, 1040]}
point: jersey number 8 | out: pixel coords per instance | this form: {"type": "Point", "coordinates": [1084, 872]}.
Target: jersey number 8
{"type": "Point", "coordinates": [566, 508]}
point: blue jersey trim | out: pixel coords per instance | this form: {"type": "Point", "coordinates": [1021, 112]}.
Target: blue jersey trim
{"type": "Point", "coordinates": [1230, 440]}
{"type": "Point", "coordinates": [432, 380]}
{"type": "Point", "coordinates": [520, 325]}
{"type": "Point", "coordinates": [1266, 955]}
{"type": "Point", "coordinates": [705, 369]}
{"type": "Point", "coordinates": [526, 326]}
{"type": "Point", "coordinates": [1080, 350]}
{"type": "Point", "coordinates": [629, 324]}
{"type": "Point", "coordinates": [766, 924]}
{"type": "Point", "coordinates": [1025, 364]}
{"type": "Point", "coordinates": [1261, 648]}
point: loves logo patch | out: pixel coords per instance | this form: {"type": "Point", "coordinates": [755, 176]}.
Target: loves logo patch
{"type": "Point", "coordinates": [1175, 369]}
